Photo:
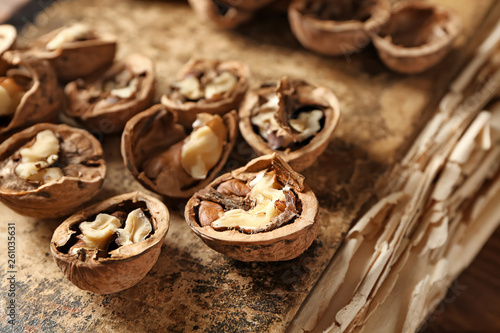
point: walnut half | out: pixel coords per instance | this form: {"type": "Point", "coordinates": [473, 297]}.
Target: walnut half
{"type": "Point", "coordinates": [112, 245]}
{"type": "Point", "coordinates": [261, 212]}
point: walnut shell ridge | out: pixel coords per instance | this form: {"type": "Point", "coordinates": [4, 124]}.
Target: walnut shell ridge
{"type": "Point", "coordinates": [128, 264]}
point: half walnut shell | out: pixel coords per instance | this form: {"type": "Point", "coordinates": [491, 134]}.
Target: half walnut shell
{"type": "Point", "coordinates": [417, 36]}
{"type": "Point", "coordinates": [152, 145]}
{"type": "Point", "coordinates": [336, 27]}
{"type": "Point", "coordinates": [209, 86]}
{"type": "Point", "coordinates": [220, 13]}
{"type": "Point", "coordinates": [75, 51]}
{"type": "Point", "coordinates": [38, 97]}
{"type": "Point", "coordinates": [283, 237]}
{"type": "Point", "coordinates": [105, 104]}
{"type": "Point", "coordinates": [292, 118]}
{"type": "Point", "coordinates": [79, 158]}
{"type": "Point", "coordinates": [117, 267]}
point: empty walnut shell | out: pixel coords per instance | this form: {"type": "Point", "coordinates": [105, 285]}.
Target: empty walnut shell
{"type": "Point", "coordinates": [220, 104]}
{"type": "Point", "coordinates": [219, 13]}
{"type": "Point", "coordinates": [42, 98]}
{"type": "Point", "coordinates": [81, 162]}
{"type": "Point", "coordinates": [153, 132]}
{"type": "Point", "coordinates": [293, 96]}
{"type": "Point", "coordinates": [417, 36]}
{"type": "Point", "coordinates": [106, 104]}
{"type": "Point", "coordinates": [117, 269]}
{"type": "Point", "coordinates": [282, 243]}
{"type": "Point", "coordinates": [79, 58]}
{"type": "Point", "coordinates": [336, 27]}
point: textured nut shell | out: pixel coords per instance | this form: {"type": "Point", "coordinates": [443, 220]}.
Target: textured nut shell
{"type": "Point", "coordinates": [247, 4]}
{"type": "Point", "coordinates": [144, 123]}
{"type": "Point", "coordinates": [187, 112]}
{"type": "Point", "coordinates": [58, 198]}
{"type": "Point", "coordinates": [130, 264]}
{"type": "Point", "coordinates": [41, 103]}
{"type": "Point", "coordinates": [304, 157]}
{"type": "Point", "coordinates": [283, 243]}
{"type": "Point", "coordinates": [335, 37]}
{"type": "Point", "coordinates": [77, 59]}
{"type": "Point", "coordinates": [206, 10]}
{"type": "Point", "coordinates": [112, 119]}
{"type": "Point", "coordinates": [417, 59]}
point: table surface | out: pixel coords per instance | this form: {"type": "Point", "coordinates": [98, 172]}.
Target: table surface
{"type": "Point", "coordinates": [478, 287]}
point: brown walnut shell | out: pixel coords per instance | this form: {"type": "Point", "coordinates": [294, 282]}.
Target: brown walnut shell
{"type": "Point", "coordinates": [79, 58]}
{"type": "Point", "coordinates": [154, 131]}
{"type": "Point", "coordinates": [43, 98]}
{"type": "Point", "coordinates": [121, 268]}
{"type": "Point", "coordinates": [336, 27]}
{"type": "Point", "coordinates": [417, 36]}
{"type": "Point", "coordinates": [102, 112]}
{"type": "Point", "coordinates": [187, 110]}
{"type": "Point", "coordinates": [82, 163]}
{"type": "Point", "coordinates": [302, 94]}
{"type": "Point", "coordinates": [282, 243]}
{"type": "Point", "coordinates": [220, 14]}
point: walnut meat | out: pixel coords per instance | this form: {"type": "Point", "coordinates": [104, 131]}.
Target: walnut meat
{"type": "Point", "coordinates": [292, 118]}
{"type": "Point", "coordinates": [106, 103]}
{"type": "Point", "coordinates": [174, 160]}
{"type": "Point", "coordinates": [112, 245]}
{"type": "Point", "coordinates": [8, 36]}
{"type": "Point", "coordinates": [261, 212]}
{"type": "Point", "coordinates": [75, 51]}
{"type": "Point", "coordinates": [208, 86]}
{"type": "Point", "coordinates": [417, 36]}
{"type": "Point", "coordinates": [336, 27]}
{"type": "Point", "coordinates": [29, 93]}
{"type": "Point", "coordinates": [49, 170]}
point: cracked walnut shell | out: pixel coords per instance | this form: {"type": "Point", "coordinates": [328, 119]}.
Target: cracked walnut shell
{"type": "Point", "coordinates": [417, 36]}
{"type": "Point", "coordinates": [336, 27]}
{"type": "Point", "coordinates": [96, 261]}
{"type": "Point", "coordinates": [75, 51]}
{"type": "Point", "coordinates": [29, 93]}
{"type": "Point", "coordinates": [105, 104]}
{"type": "Point", "coordinates": [261, 212]}
{"type": "Point", "coordinates": [49, 170]}
{"type": "Point", "coordinates": [165, 159]}
{"type": "Point", "coordinates": [209, 86]}
{"type": "Point", "coordinates": [292, 118]}
{"type": "Point", "coordinates": [222, 14]}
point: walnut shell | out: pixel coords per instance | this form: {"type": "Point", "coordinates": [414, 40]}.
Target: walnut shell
{"type": "Point", "coordinates": [220, 14]}
{"type": "Point", "coordinates": [303, 94]}
{"type": "Point", "coordinates": [100, 110]}
{"type": "Point", "coordinates": [187, 110]}
{"type": "Point", "coordinates": [417, 36]}
{"type": "Point", "coordinates": [121, 268]}
{"type": "Point", "coordinates": [82, 163]}
{"type": "Point", "coordinates": [336, 27]}
{"type": "Point", "coordinates": [283, 243]}
{"type": "Point", "coordinates": [79, 58]}
{"type": "Point", "coordinates": [154, 131]}
{"type": "Point", "coordinates": [43, 98]}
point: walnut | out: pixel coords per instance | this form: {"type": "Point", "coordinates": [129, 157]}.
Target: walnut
{"type": "Point", "coordinates": [273, 220]}
{"type": "Point", "coordinates": [220, 13]}
{"type": "Point", "coordinates": [75, 51]}
{"type": "Point", "coordinates": [336, 27]}
{"type": "Point", "coordinates": [208, 86]}
{"type": "Point", "coordinates": [49, 170]}
{"type": "Point", "coordinates": [174, 160]}
{"type": "Point", "coordinates": [417, 36]}
{"type": "Point", "coordinates": [292, 118]}
{"type": "Point", "coordinates": [8, 36]}
{"type": "Point", "coordinates": [107, 102]}
{"type": "Point", "coordinates": [29, 93]}
{"type": "Point", "coordinates": [112, 245]}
